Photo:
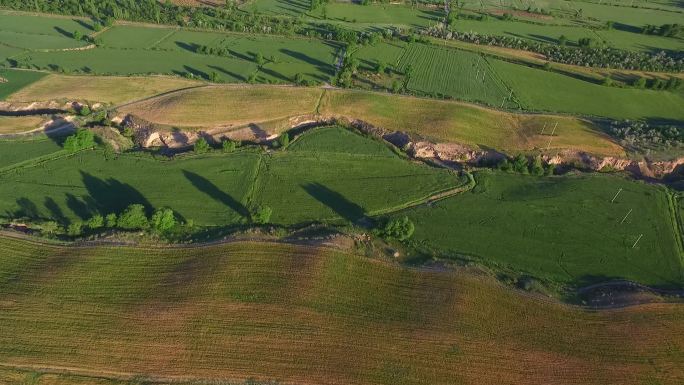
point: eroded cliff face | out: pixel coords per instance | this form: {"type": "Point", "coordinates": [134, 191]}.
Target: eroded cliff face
{"type": "Point", "coordinates": [453, 153]}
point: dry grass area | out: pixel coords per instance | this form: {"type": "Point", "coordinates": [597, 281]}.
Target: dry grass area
{"type": "Point", "coordinates": [450, 121]}
{"type": "Point", "coordinates": [232, 105]}
{"type": "Point", "coordinates": [199, 3]}
{"type": "Point", "coordinates": [309, 316]}
{"type": "Point", "coordinates": [103, 89]}
{"type": "Point", "coordinates": [444, 121]}
{"type": "Point", "coordinates": [19, 124]}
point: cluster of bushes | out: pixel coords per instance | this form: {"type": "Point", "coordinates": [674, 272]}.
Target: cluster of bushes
{"type": "Point", "coordinates": [588, 54]}
{"type": "Point", "coordinates": [399, 229]}
{"type": "Point", "coordinates": [670, 84]}
{"type": "Point", "coordinates": [642, 136]}
{"type": "Point", "coordinates": [134, 217]}
{"type": "Point", "coordinates": [81, 140]}
{"type": "Point", "coordinates": [667, 30]}
{"type": "Point", "coordinates": [202, 146]}
{"type": "Point", "coordinates": [527, 166]}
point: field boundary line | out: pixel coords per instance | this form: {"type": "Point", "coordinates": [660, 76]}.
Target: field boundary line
{"type": "Point", "coordinates": [168, 35]}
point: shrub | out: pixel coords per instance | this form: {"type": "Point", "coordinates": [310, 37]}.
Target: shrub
{"type": "Point", "coordinates": [163, 220]}
{"type": "Point", "coordinates": [49, 228]}
{"type": "Point", "coordinates": [75, 228]}
{"type": "Point", "coordinates": [133, 218]}
{"type": "Point", "coordinates": [228, 145]}
{"type": "Point", "coordinates": [111, 220]}
{"type": "Point", "coordinates": [398, 228]}
{"type": "Point", "coordinates": [284, 140]}
{"type": "Point", "coordinates": [261, 214]}
{"type": "Point", "coordinates": [84, 111]}
{"type": "Point", "coordinates": [201, 146]}
{"type": "Point", "coordinates": [96, 222]}
{"type": "Point", "coordinates": [82, 139]}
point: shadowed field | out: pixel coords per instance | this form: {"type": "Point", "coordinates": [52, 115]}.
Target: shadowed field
{"type": "Point", "coordinates": [308, 315]}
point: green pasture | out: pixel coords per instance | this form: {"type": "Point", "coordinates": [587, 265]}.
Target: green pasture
{"type": "Point", "coordinates": [43, 25]}
{"type": "Point", "coordinates": [16, 80]}
{"type": "Point", "coordinates": [380, 14]}
{"type": "Point", "coordinates": [459, 74]}
{"type": "Point", "coordinates": [543, 90]}
{"type": "Point", "coordinates": [278, 7]}
{"type": "Point", "coordinates": [17, 151]}
{"type": "Point", "coordinates": [283, 57]}
{"type": "Point", "coordinates": [560, 228]}
{"type": "Point", "coordinates": [129, 36]}
{"type": "Point", "coordinates": [217, 189]}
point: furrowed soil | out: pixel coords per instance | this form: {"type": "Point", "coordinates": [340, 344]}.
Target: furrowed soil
{"type": "Point", "coordinates": [310, 316]}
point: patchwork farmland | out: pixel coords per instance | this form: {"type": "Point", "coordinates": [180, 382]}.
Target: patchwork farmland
{"type": "Point", "coordinates": [324, 192]}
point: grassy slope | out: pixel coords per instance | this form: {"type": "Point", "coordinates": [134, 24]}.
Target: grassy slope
{"type": "Point", "coordinates": [14, 125]}
{"type": "Point", "coordinates": [102, 89]}
{"type": "Point", "coordinates": [17, 151]}
{"type": "Point", "coordinates": [561, 228]}
{"type": "Point", "coordinates": [306, 315]}
{"type": "Point", "coordinates": [216, 189]}
{"type": "Point", "coordinates": [440, 120]}
{"type": "Point", "coordinates": [226, 105]}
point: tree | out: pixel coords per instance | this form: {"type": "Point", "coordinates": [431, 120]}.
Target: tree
{"type": "Point", "coordinates": [77, 35]}
{"type": "Point", "coordinates": [562, 40]}
{"type": "Point", "coordinates": [75, 228]}
{"type": "Point", "coordinates": [608, 81]}
{"type": "Point", "coordinates": [284, 140]}
{"type": "Point", "coordinates": [228, 145]}
{"type": "Point", "coordinates": [82, 139]}
{"type": "Point", "coordinates": [85, 110]}
{"type": "Point", "coordinates": [201, 146]}
{"type": "Point", "coordinates": [111, 220]}
{"type": "Point", "coordinates": [259, 59]}
{"type": "Point", "coordinates": [381, 67]}
{"type": "Point", "coordinates": [133, 218]}
{"type": "Point", "coordinates": [163, 220]}
{"type": "Point", "coordinates": [97, 221]}
{"type": "Point", "coordinates": [639, 82]}
{"type": "Point", "coordinates": [299, 78]}
{"type": "Point", "coordinates": [50, 227]}
{"type": "Point", "coordinates": [537, 167]}
{"type": "Point", "coordinates": [214, 77]}
{"type": "Point", "coordinates": [399, 228]}
{"type": "Point", "coordinates": [396, 87]}
{"type": "Point", "coordinates": [261, 214]}
{"type": "Point", "coordinates": [520, 164]}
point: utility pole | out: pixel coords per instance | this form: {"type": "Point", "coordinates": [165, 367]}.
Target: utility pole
{"type": "Point", "coordinates": [623, 219]}
{"type": "Point", "coordinates": [637, 241]}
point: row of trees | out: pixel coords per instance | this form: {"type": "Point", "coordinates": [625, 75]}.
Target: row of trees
{"type": "Point", "coordinates": [588, 53]}
{"type": "Point", "coordinates": [134, 217]}
{"type": "Point", "coordinates": [527, 166]}
{"type": "Point", "coordinates": [642, 136]}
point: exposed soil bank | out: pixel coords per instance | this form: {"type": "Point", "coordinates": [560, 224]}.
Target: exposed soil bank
{"type": "Point", "coordinates": [451, 153]}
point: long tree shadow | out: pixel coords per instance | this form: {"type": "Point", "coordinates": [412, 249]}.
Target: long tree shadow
{"type": "Point", "coordinates": [207, 187]}
{"type": "Point", "coordinates": [229, 73]}
{"type": "Point", "coordinates": [27, 209]}
{"type": "Point", "coordinates": [336, 201]}
{"type": "Point", "coordinates": [111, 195]}
{"type": "Point", "coordinates": [324, 67]}
{"type": "Point", "coordinates": [55, 211]}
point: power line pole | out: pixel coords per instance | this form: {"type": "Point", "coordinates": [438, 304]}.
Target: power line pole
{"type": "Point", "coordinates": [623, 219]}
